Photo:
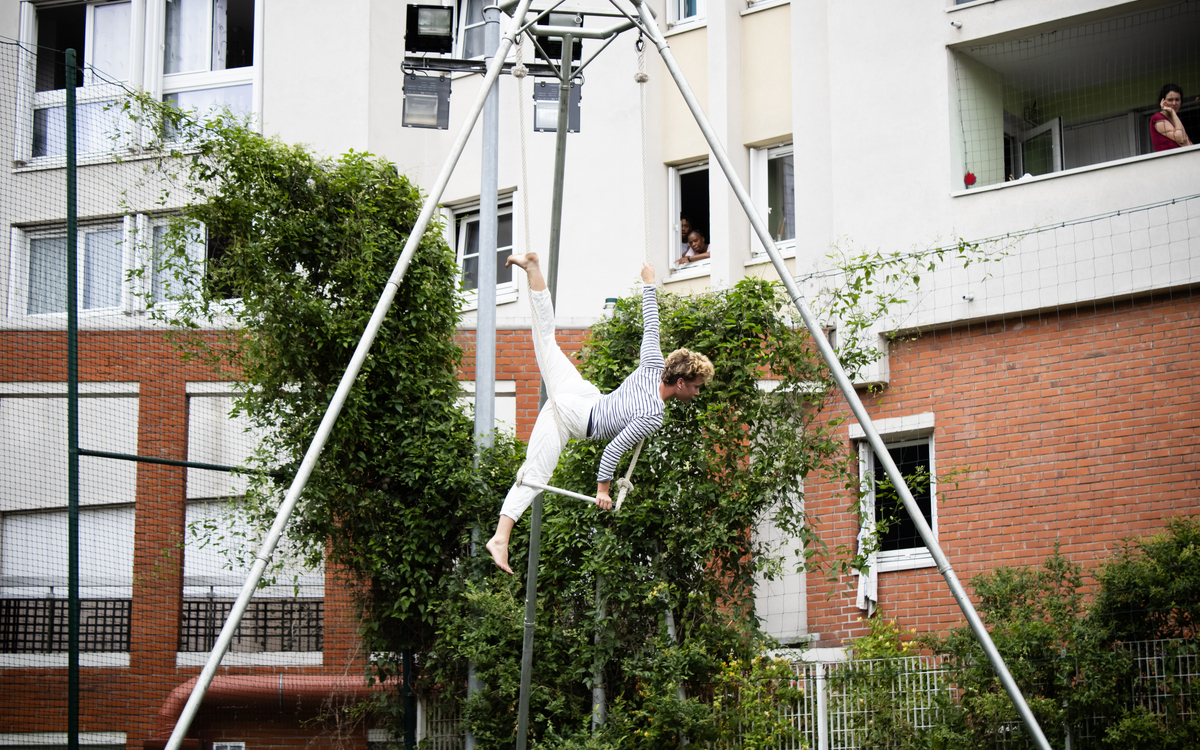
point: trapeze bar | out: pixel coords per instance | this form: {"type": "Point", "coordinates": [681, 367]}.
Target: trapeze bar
{"type": "Point", "coordinates": [557, 491]}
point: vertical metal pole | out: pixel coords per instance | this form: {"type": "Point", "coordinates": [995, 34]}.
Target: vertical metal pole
{"type": "Point", "coordinates": [535, 521]}
{"type": "Point", "coordinates": [599, 703]}
{"type": "Point", "coordinates": [560, 163]}
{"type": "Point", "coordinates": [843, 382]}
{"type": "Point", "coordinates": [409, 697]}
{"type": "Point", "coordinates": [822, 707]}
{"type": "Point", "coordinates": [72, 421]}
{"type": "Point", "coordinates": [309, 463]}
{"type": "Point", "coordinates": [485, 315]}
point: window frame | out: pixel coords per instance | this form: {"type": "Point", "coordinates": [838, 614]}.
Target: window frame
{"type": "Point", "coordinates": [20, 257]}
{"type": "Point", "coordinates": [675, 19]}
{"type": "Point", "coordinates": [93, 90]}
{"type": "Point", "coordinates": [912, 557]}
{"type": "Point", "coordinates": [456, 217]}
{"type": "Point", "coordinates": [674, 230]}
{"type": "Point", "coordinates": [146, 71]}
{"type": "Point", "coordinates": [760, 192]}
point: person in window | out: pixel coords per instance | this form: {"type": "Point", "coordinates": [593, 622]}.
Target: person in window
{"type": "Point", "coordinates": [685, 228]}
{"type": "Point", "coordinates": [627, 415]}
{"type": "Point", "coordinates": [697, 248]}
{"type": "Point", "coordinates": [1166, 130]}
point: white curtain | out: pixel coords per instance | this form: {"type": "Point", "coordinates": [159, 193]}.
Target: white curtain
{"type": "Point", "coordinates": [220, 34]}
{"type": "Point", "coordinates": [102, 269]}
{"type": "Point", "coordinates": [186, 48]}
{"type": "Point", "coordinates": [868, 580]}
{"type": "Point", "coordinates": [47, 275]}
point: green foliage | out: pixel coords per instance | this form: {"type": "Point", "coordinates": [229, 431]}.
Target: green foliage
{"type": "Point", "coordinates": [1152, 588]}
{"type": "Point", "coordinates": [681, 546]}
{"type": "Point", "coordinates": [1075, 664]}
{"type": "Point", "coordinates": [307, 246]}
{"type": "Point", "coordinates": [756, 702]}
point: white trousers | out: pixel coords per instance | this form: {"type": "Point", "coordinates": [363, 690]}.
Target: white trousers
{"type": "Point", "coordinates": [574, 398]}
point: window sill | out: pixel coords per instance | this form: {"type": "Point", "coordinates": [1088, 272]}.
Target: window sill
{"type": "Point", "coordinates": [1073, 171]}
{"type": "Point", "coordinates": [761, 258]}
{"type": "Point", "coordinates": [684, 26]}
{"type": "Point", "coordinates": [692, 271]}
{"type": "Point", "coordinates": [43, 163]}
{"type": "Point", "coordinates": [260, 659]}
{"type": "Point", "coordinates": [59, 661]}
{"type": "Point", "coordinates": [503, 297]}
{"type": "Point", "coordinates": [764, 4]}
{"type": "Point", "coordinates": [964, 6]}
{"type": "Point", "coordinates": [889, 562]}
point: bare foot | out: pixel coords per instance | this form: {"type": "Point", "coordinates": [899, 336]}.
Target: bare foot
{"type": "Point", "coordinates": [522, 261]}
{"type": "Point", "coordinates": [529, 263]}
{"type": "Point", "coordinates": [499, 551]}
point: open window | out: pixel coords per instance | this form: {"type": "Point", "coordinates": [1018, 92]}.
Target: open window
{"type": "Point", "coordinates": [1022, 109]}
{"type": "Point", "coordinates": [101, 35]}
{"type": "Point", "coordinates": [208, 54]}
{"type": "Point", "coordinates": [689, 209]}
{"type": "Point", "coordinates": [207, 61]}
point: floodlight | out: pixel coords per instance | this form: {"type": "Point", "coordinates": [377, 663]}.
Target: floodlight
{"type": "Point", "coordinates": [553, 45]}
{"type": "Point", "coordinates": [426, 102]}
{"type": "Point", "coordinates": [430, 28]}
{"type": "Point", "coordinates": [545, 107]}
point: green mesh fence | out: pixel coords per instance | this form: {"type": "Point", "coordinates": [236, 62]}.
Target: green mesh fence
{"type": "Point", "coordinates": [161, 552]}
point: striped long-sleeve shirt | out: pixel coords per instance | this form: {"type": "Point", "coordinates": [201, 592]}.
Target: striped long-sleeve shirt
{"type": "Point", "coordinates": [634, 410]}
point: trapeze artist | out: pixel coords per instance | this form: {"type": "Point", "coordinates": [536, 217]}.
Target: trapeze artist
{"type": "Point", "coordinates": [631, 412]}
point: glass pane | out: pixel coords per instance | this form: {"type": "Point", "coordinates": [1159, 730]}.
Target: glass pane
{"type": "Point", "coordinates": [1038, 154]}
{"type": "Point", "coordinates": [47, 275]}
{"type": "Point", "coordinates": [504, 231]}
{"type": "Point", "coordinates": [503, 273]}
{"type": "Point", "coordinates": [110, 40]}
{"type": "Point", "coordinates": [236, 98]}
{"type": "Point", "coordinates": [913, 461]}
{"type": "Point", "coordinates": [434, 21]}
{"type": "Point", "coordinates": [473, 30]}
{"type": "Point", "coordinates": [96, 129]}
{"type": "Point", "coordinates": [186, 48]}
{"type": "Point", "coordinates": [687, 8]}
{"type": "Point", "coordinates": [421, 109]}
{"type": "Point", "coordinates": [102, 269]}
{"type": "Point", "coordinates": [781, 197]}
{"type": "Point", "coordinates": [471, 272]}
{"type": "Point", "coordinates": [170, 277]}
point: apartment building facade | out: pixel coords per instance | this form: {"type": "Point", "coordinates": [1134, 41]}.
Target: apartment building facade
{"type": "Point", "coordinates": [1055, 382]}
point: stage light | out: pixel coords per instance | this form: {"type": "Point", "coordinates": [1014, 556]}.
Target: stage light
{"type": "Point", "coordinates": [545, 107]}
{"type": "Point", "coordinates": [430, 28]}
{"type": "Point", "coordinates": [426, 102]}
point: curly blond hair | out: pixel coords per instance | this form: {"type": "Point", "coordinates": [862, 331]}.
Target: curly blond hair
{"type": "Point", "coordinates": [689, 365]}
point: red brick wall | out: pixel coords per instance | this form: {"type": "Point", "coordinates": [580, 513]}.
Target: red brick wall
{"type": "Point", "coordinates": [118, 699]}
{"type": "Point", "coordinates": [1086, 420]}
{"type": "Point", "coordinates": [515, 361]}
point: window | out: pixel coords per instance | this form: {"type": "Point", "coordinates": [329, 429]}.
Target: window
{"type": "Point", "coordinates": [684, 11]}
{"type": "Point", "coordinates": [1023, 112]}
{"type": "Point", "coordinates": [40, 272]}
{"type": "Point", "coordinates": [208, 58]}
{"type": "Point", "coordinates": [106, 254]}
{"type": "Point", "coordinates": [773, 190]}
{"type": "Point", "coordinates": [463, 235]}
{"type": "Point", "coordinates": [100, 35]}
{"type": "Point", "coordinates": [208, 54]}
{"type": "Point", "coordinates": [33, 584]}
{"type": "Point", "coordinates": [505, 403]}
{"type": "Point", "coordinates": [899, 541]}
{"type": "Point", "coordinates": [688, 202]}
